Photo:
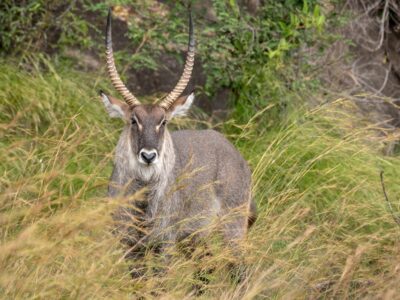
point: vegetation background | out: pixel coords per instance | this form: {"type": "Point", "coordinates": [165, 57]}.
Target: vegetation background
{"type": "Point", "coordinates": [306, 90]}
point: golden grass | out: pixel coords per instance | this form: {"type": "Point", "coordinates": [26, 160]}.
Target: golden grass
{"type": "Point", "coordinates": [323, 229]}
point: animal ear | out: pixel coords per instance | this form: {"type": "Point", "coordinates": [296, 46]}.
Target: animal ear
{"type": "Point", "coordinates": [115, 107]}
{"type": "Point", "coordinates": [181, 106]}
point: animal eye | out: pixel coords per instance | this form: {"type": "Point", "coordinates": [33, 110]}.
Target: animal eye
{"type": "Point", "coordinates": [164, 123]}
{"type": "Point", "coordinates": [134, 121]}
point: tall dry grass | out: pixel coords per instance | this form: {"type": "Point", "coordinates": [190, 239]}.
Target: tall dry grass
{"type": "Point", "coordinates": [323, 230]}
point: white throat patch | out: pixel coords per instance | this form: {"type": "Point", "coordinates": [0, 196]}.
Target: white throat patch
{"type": "Point", "coordinates": [142, 170]}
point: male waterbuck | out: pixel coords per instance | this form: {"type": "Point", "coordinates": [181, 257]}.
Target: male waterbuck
{"type": "Point", "coordinates": [193, 178]}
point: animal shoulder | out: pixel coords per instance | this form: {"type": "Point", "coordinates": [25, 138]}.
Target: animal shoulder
{"type": "Point", "coordinates": [202, 138]}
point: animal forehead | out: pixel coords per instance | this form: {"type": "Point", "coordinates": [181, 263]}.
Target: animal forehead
{"type": "Point", "coordinates": [149, 113]}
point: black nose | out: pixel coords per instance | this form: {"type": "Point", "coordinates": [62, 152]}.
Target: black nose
{"type": "Point", "coordinates": [148, 157]}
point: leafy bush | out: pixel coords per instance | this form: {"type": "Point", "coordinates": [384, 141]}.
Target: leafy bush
{"type": "Point", "coordinates": [38, 25]}
{"type": "Point", "coordinates": [238, 50]}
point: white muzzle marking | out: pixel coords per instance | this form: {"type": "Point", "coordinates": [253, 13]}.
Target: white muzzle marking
{"type": "Point", "coordinates": [148, 157]}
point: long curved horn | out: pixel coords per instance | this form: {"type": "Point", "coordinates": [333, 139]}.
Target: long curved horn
{"type": "Point", "coordinates": [112, 70]}
{"type": "Point", "coordinates": [187, 71]}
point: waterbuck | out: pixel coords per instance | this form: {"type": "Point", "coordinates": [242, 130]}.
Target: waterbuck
{"type": "Point", "coordinates": [193, 178]}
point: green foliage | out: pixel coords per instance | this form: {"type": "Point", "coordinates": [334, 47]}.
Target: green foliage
{"type": "Point", "coordinates": [17, 23]}
{"type": "Point", "coordinates": [38, 25]}
{"type": "Point", "coordinates": [237, 50]}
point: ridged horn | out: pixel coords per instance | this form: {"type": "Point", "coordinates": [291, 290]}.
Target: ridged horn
{"type": "Point", "coordinates": [130, 99]}
{"type": "Point", "coordinates": [187, 71]}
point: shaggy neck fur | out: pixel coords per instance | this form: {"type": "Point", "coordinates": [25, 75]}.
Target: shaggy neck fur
{"type": "Point", "coordinates": [157, 178]}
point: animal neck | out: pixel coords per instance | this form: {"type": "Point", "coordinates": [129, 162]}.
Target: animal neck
{"type": "Point", "coordinates": [162, 206]}
{"type": "Point", "coordinates": [164, 168]}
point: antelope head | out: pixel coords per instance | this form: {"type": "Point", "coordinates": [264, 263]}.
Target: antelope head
{"type": "Point", "coordinates": [147, 123]}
